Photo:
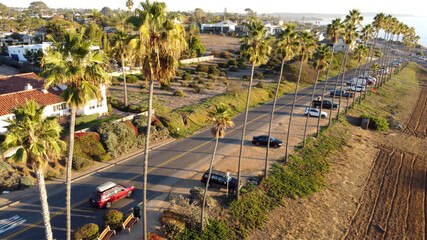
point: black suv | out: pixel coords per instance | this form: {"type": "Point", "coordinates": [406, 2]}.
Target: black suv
{"type": "Point", "coordinates": [219, 180]}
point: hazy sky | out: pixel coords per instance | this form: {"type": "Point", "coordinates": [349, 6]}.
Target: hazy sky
{"type": "Point", "coordinates": [412, 7]}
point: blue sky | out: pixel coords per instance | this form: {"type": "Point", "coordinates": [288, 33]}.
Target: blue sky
{"type": "Point", "coordinates": [412, 7]}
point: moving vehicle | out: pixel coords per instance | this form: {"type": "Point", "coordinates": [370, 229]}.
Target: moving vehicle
{"type": "Point", "coordinates": [326, 104]}
{"type": "Point", "coordinates": [315, 112]}
{"type": "Point", "coordinates": [262, 140]}
{"type": "Point", "coordinates": [220, 180]}
{"type": "Point", "coordinates": [339, 92]}
{"type": "Point", "coordinates": [357, 88]}
{"type": "Point", "coordinates": [109, 192]}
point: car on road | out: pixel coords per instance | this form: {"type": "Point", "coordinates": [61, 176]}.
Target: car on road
{"type": "Point", "coordinates": [220, 180]}
{"type": "Point", "coordinates": [339, 92]}
{"type": "Point", "coordinates": [315, 112]}
{"type": "Point", "coordinates": [262, 140]}
{"type": "Point", "coordinates": [109, 192]}
{"type": "Point", "coordinates": [357, 88]}
{"type": "Point", "coordinates": [326, 104]}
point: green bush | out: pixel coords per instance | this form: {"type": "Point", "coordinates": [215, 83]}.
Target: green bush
{"type": "Point", "coordinates": [376, 122]}
{"type": "Point", "coordinates": [260, 84]}
{"type": "Point", "coordinates": [114, 81]}
{"type": "Point", "coordinates": [222, 65]}
{"type": "Point", "coordinates": [131, 79]}
{"type": "Point", "coordinates": [143, 86]}
{"type": "Point", "coordinates": [202, 68]}
{"type": "Point", "coordinates": [184, 84]}
{"type": "Point", "coordinates": [86, 119]}
{"type": "Point", "coordinates": [216, 230]}
{"type": "Point", "coordinates": [187, 76]}
{"type": "Point", "coordinates": [213, 70]}
{"type": "Point", "coordinates": [226, 54]}
{"type": "Point", "coordinates": [232, 63]}
{"type": "Point", "coordinates": [246, 77]}
{"type": "Point", "coordinates": [250, 212]}
{"type": "Point", "coordinates": [51, 175]}
{"type": "Point", "coordinates": [216, 53]}
{"type": "Point", "coordinates": [242, 65]}
{"type": "Point", "coordinates": [118, 137]}
{"type": "Point", "coordinates": [87, 147]}
{"type": "Point", "coordinates": [114, 219]}
{"type": "Point", "coordinates": [80, 162]}
{"type": "Point", "coordinates": [10, 181]}
{"type": "Point", "coordinates": [4, 166]}
{"type": "Point", "coordinates": [166, 86]}
{"type": "Point", "coordinates": [258, 75]}
{"type": "Point", "coordinates": [26, 181]}
{"type": "Point", "coordinates": [179, 93]}
{"type": "Point", "coordinates": [88, 231]}
{"type": "Point", "coordinates": [234, 69]}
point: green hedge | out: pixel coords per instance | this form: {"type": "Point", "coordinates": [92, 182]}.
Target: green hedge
{"type": "Point", "coordinates": [216, 230]}
{"type": "Point", "coordinates": [376, 122]}
{"type": "Point", "coordinates": [88, 231]}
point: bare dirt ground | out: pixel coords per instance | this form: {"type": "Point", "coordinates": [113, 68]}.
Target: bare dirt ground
{"type": "Point", "coordinates": [219, 43]}
{"type": "Point", "coordinates": [417, 124]}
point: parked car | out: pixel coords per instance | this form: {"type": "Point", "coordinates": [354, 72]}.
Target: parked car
{"type": "Point", "coordinates": [315, 112]}
{"type": "Point", "coordinates": [262, 140]}
{"type": "Point", "coordinates": [109, 192]}
{"type": "Point", "coordinates": [339, 92]}
{"type": "Point", "coordinates": [326, 104]}
{"type": "Point", "coordinates": [357, 88]}
{"type": "Point", "coordinates": [220, 180]}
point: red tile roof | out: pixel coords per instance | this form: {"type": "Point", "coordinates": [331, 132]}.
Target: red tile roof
{"type": "Point", "coordinates": [13, 100]}
{"type": "Point", "coordinates": [16, 83]}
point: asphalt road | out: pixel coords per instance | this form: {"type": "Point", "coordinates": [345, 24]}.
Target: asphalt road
{"type": "Point", "coordinates": [167, 165]}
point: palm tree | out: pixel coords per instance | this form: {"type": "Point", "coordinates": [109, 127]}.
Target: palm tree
{"type": "Point", "coordinates": [38, 140]}
{"type": "Point", "coordinates": [358, 53]}
{"type": "Point", "coordinates": [71, 63]}
{"type": "Point", "coordinates": [349, 37]}
{"type": "Point", "coordinates": [222, 120]}
{"type": "Point", "coordinates": [367, 33]}
{"type": "Point", "coordinates": [158, 49]}
{"type": "Point", "coordinates": [386, 26]}
{"type": "Point", "coordinates": [321, 57]}
{"type": "Point", "coordinates": [120, 53]}
{"type": "Point", "coordinates": [286, 46]}
{"type": "Point", "coordinates": [333, 31]}
{"type": "Point", "coordinates": [129, 4]}
{"type": "Point", "coordinates": [256, 49]}
{"type": "Point", "coordinates": [307, 44]}
{"type": "Point", "coordinates": [377, 24]}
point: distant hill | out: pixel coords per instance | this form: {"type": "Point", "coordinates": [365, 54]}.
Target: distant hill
{"type": "Point", "coordinates": [320, 16]}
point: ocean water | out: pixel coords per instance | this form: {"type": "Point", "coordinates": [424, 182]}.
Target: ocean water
{"type": "Point", "coordinates": [418, 22]}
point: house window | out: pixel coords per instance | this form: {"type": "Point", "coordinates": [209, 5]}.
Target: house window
{"type": "Point", "coordinates": [59, 107]}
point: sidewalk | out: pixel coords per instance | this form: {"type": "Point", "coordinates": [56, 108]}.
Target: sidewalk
{"type": "Point", "coordinates": [15, 197]}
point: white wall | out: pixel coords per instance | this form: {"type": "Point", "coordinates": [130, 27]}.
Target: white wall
{"type": "Point", "coordinates": [3, 124]}
{"type": "Point", "coordinates": [94, 107]}
{"type": "Point", "coordinates": [21, 49]}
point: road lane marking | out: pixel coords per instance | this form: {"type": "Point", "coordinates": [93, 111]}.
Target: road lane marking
{"type": "Point", "coordinates": [10, 223]}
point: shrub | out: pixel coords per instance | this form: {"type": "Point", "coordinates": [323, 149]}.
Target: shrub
{"type": "Point", "coordinates": [4, 166]}
{"type": "Point", "coordinates": [242, 65]}
{"type": "Point", "coordinates": [213, 70]}
{"type": "Point", "coordinates": [198, 89]}
{"type": "Point", "coordinates": [134, 108]}
{"type": "Point", "coordinates": [131, 79]}
{"type": "Point", "coordinates": [113, 218]}
{"type": "Point", "coordinates": [179, 93]}
{"type": "Point", "coordinates": [232, 63]}
{"type": "Point", "coordinates": [202, 68]}
{"type": "Point", "coordinates": [26, 182]}
{"type": "Point", "coordinates": [88, 231]}
{"type": "Point", "coordinates": [210, 86]}
{"type": "Point", "coordinates": [260, 85]}
{"type": "Point", "coordinates": [88, 146]}
{"type": "Point", "coordinates": [143, 86]}
{"type": "Point", "coordinates": [246, 77]}
{"type": "Point", "coordinates": [10, 181]}
{"type": "Point", "coordinates": [187, 76]}
{"type": "Point", "coordinates": [80, 162]}
{"type": "Point", "coordinates": [215, 230]}
{"type": "Point", "coordinates": [129, 123]}
{"type": "Point", "coordinates": [226, 54]}
{"type": "Point", "coordinates": [114, 81]}
{"type": "Point", "coordinates": [222, 65]}
{"type": "Point", "coordinates": [258, 75]}
{"type": "Point", "coordinates": [212, 77]}
{"type": "Point", "coordinates": [216, 53]}
{"type": "Point", "coordinates": [184, 84]}
{"type": "Point", "coordinates": [86, 119]}
{"type": "Point", "coordinates": [376, 122]}
{"type": "Point", "coordinates": [165, 86]}
{"type": "Point", "coordinates": [51, 175]}
{"type": "Point", "coordinates": [223, 74]}
{"type": "Point", "coordinates": [234, 69]}
{"type": "Point", "coordinates": [117, 137]}
{"type": "Point", "coordinates": [233, 88]}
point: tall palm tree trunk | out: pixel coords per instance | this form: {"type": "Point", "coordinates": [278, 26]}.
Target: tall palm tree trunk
{"type": "Point", "coordinates": [271, 118]}
{"type": "Point", "coordinates": [244, 131]}
{"type": "Point", "coordinates": [309, 106]}
{"type": "Point", "coordinates": [69, 166]}
{"type": "Point", "coordinates": [324, 90]}
{"type": "Point", "coordinates": [342, 80]}
{"type": "Point", "coordinates": [371, 55]}
{"type": "Point", "coordinates": [124, 82]}
{"type": "Point", "coordinates": [335, 91]}
{"type": "Point", "coordinates": [147, 145]}
{"type": "Point", "coordinates": [292, 109]}
{"type": "Point", "coordinates": [44, 203]}
{"type": "Point", "coordinates": [202, 219]}
{"type": "Point", "coordinates": [382, 60]}
{"type": "Point", "coordinates": [351, 85]}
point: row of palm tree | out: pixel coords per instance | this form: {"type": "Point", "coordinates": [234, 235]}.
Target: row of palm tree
{"type": "Point", "coordinates": [157, 50]}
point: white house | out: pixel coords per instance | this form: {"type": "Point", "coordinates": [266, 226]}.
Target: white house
{"type": "Point", "coordinates": [221, 27]}
{"type": "Point", "coordinates": [17, 89]}
{"type": "Point", "coordinates": [17, 52]}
